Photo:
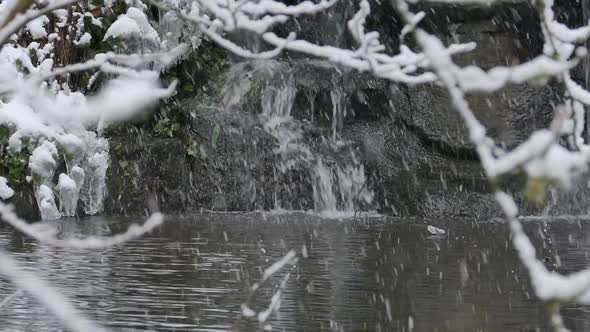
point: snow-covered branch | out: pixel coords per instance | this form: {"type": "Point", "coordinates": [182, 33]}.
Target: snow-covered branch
{"type": "Point", "coordinates": [215, 18]}
{"type": "Point", "coordinates": [256, 16]}
{"type": "Point", "coordinates": [42, 233]}
{"type": "Point", "coordinates": [539, 156]}
{"type": "Point", "coordinates": [109, 61]}
{"type": "Point", "coordinates": [46, 294]}
{"type": "Point", "coordinates": [9, 28]}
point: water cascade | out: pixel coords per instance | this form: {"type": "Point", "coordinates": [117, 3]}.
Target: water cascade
{"type": "Point", "coordinates": [337, 177]}
{"type": "Point", "coordinates": [277, 103]}
{"type": "Point", "coordinates": [338, 110]}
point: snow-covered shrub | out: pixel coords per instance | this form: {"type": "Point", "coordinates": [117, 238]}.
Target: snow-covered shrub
{"type": "Point", "coordinates": [51, 102]}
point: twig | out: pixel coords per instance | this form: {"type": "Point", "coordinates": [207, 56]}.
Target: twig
{"type": "Point", "coordinates": [93, 242]}
{"type": "Point", "coordinates": [20, 20]}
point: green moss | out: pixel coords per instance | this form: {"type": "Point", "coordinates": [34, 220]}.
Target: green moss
{"type": "Point", "coordinates": [200, 72]}
{"type": "Point", "coordinates": [20, 67]}
{"type": "Point", "coordinates": [195, 150]}
{"type": "Point", "coordinates": [536, 189]}
{"type": "Point", "coordinates": [166, 128]}
{"type": "Point", "coordinates": [192, 149]}
{"type": "Point", "coordinates": [125, 169]}
{"type": "Point", "coordinates": [119, 129]}
{"type": "Point", "coordinates": [97, 3]}
{"type": "Point", "coordinates": [4, 135]}
{"type": "Point", "coordinates": [215, 136]}
{"type": "Point", "coordinates": [123, 172]}
{"type": "Point", "coordinates": [13, 166]}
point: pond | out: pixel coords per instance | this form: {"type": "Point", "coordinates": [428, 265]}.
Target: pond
{"type": "Point", "coordinates": [368, 274]}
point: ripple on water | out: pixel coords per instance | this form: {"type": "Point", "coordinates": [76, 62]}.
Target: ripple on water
{"type": "Point", "coordinates": [194, 273]}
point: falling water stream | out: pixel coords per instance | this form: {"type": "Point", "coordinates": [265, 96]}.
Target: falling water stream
{"type": "Point", "coordinates": [338, 186]}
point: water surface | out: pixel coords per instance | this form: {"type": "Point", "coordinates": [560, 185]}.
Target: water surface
{"type": "Point", "coordinates": [375, 274]}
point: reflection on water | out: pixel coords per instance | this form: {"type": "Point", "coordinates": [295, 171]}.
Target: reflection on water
{"type": "Point", "coordinates": [372, 275]}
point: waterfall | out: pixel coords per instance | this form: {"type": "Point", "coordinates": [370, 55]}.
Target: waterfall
{"type": "Point", "coordinates": [338, 110]}
{"type": "Point", "coordinates": [353, 187]}
{"type": "Point", "coordinates": [337, 177]}
{"type": "Point", "coordinates": [323, 184]}
{"type": "Point", "coordinates": [277, 102]}
{"type": "Point", "coordinates": [342, 187]}
{"type": "Point", "coordinates": [339, 188]}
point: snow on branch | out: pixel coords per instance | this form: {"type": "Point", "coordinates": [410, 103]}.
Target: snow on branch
{"type": "Point", "coordinates": [256, 16]}
{"type": "Point", "coordinates": [482, 3]}
{"type": "Point", "coordinates": [11, 27]}
{"type": "Point", "coordinates": [42, 233]}
{"type": "Point", "coordinates": [370, 56]}
{"type": "Point", "coordinates": [215, 18]}
{"type": "Point", "coordinates": [473, 78]}
{"type": "Point", "coordinates": [102, 61]}
{"type": "Point", "coordinates": [540, 155]}
{"type": "Point", "coordinates": [549, 286]}
{"type": "Point", "coordinates": [272, 7]}
{"type": "Point", "coordinates": [402, 67]}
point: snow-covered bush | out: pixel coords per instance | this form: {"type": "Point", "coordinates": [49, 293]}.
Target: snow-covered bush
{"type": "Point", "coordinates": [51, 103]}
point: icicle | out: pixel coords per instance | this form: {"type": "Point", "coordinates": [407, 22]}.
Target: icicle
{"type": "Point", "coordinates": [42, 165]}
{"type": "Point", "coordinates": [94, 188]}
{"type": "Point", "coordinates": [46, 202]}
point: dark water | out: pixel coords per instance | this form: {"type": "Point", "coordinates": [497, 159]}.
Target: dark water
{"type": "Point", "coordinates": [365, 275]}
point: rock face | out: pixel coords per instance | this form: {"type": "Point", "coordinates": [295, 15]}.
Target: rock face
{"type": "Point", "coordinates": [409, 140]}
{"type": "Point", "coordinates": [234, 172]}
{"type": "Point", "coordinates": [24, 201]}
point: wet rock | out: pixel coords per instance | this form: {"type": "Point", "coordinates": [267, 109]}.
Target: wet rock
{"type": "Point", "coordinates": [241, 165]}
{"type": "Point", "coordinates": [146, 173]}
{"type": "Point", "coordinates": [219, 203]}
{"type": "Point", "coordinates": [236, 171]}
{"type": "Point", "coordinates": [24, 201]}
{"type": "Point", "coordinates": [412, 143]}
